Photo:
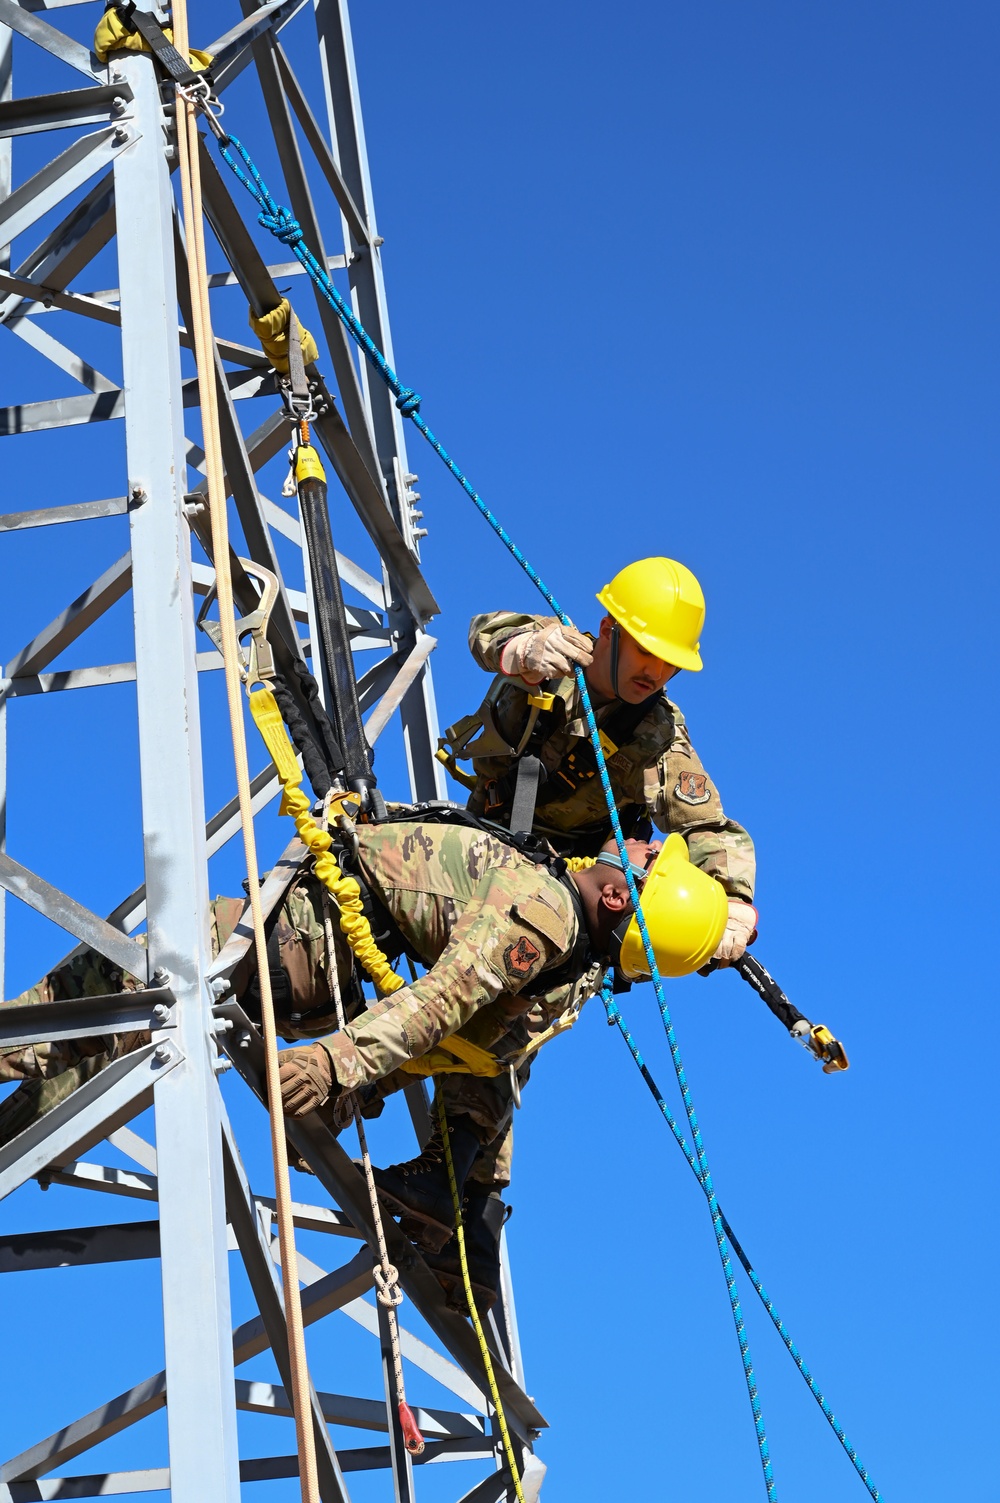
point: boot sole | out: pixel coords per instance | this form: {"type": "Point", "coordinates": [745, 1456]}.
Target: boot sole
{"type": "Point", "coordinates": [428, 1234]}
{"type": "Point", "coordinates": [454, 1288]}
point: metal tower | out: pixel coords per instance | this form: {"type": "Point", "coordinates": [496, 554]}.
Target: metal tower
{"type": "Point", "coordinates": [109, 191]}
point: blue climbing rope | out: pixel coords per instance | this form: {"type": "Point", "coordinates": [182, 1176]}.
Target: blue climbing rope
{"type": "Point", "coordinates": [614, 1016]}
{"type": "Point", "coordinates": [282, 223]}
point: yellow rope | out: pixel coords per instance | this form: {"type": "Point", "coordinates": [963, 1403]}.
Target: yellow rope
{"type": "Point", "coordinates": [473, 1312]}
{"type": "Point", "coordinates": [580, 863]}
{"type": "Point", "coordinates": [343, 889]}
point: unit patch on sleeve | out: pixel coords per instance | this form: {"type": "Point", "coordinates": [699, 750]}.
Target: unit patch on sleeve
{"type": "Point", "coordinates": [692, 788]}
{"type": "Point", "coordinates": [520, 958]}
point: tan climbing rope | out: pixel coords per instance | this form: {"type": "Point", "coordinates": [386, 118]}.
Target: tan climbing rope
{"type": "Point", "coordinates": [204, 346]}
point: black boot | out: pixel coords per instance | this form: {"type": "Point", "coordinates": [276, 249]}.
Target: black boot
{"type": "Point", "coordinates": [483, 1215]}
{"type": "Point", "coordinates": [419, 1192]}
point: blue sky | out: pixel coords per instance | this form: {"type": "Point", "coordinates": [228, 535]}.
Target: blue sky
{"type": "Point", "coordinates": [716, 282]}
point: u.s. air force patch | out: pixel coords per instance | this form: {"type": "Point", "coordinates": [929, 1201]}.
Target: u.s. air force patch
{"type": "Point", "coordinates": [692, 788]}
{"type": "Point", "coordinates": [520, 958]}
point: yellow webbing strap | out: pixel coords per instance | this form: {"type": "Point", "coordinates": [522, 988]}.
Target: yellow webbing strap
{"type": "Point", "coordinates": [343, 889]}
{"type": "Point", "coordinates": [111, 36]}
{"type": "Point", "coordinates": [272, 331]}
{"type": "Point", "coordinates": [455, 1056]}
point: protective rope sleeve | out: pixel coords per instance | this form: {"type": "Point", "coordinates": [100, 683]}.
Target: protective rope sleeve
{"type": "Point", "coordinates": [323, 760]}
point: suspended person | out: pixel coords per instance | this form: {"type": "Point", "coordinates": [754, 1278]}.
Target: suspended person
{"type": "Point", "coordinates": [510, 942]}
{"type": "Point", "coordinates": [534, 768]}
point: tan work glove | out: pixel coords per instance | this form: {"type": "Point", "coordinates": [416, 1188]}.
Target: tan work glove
{"type": "Point", "coordinates": [545, 652]}
{"type": "Point", "coordinates": [740, 928]}
{"type": "Point", "coordinates": [306, 1078]}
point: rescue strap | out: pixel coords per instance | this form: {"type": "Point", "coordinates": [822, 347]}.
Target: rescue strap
{"type": "Point", "coordinates": [456, 1056]}
{"type": "Point", "coordinates": [615, 1018]}
{"type": "Point", "coordinates": [470, 1299]}
{"type": "Point", "coordinates": [123, 28]}
{"type": "Point", "coordinates": [529, 775]}
{"type": "Point", "coordinates": [344, 890]}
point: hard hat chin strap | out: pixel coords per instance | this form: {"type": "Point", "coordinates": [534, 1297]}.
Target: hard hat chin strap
{"type": "Point", "coordinates": [615, 641]}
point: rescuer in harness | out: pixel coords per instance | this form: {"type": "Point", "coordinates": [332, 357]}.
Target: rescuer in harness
{"type": "Point", "coordinates": [534, 769]}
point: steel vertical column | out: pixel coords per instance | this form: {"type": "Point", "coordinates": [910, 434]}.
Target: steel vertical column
{"type": "Point", "coordinates": [6, 92]}
{"type": "Point", "coordinates": [199, 1361]}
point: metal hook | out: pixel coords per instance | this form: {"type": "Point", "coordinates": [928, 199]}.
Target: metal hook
{"type": "Point", "coordinates": [257, 661]}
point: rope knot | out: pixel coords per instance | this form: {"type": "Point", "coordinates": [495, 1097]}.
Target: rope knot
{"type": "Point", "coordinates": [408, 401]}
{"type": "Point", "coordinates": [387, 1284]}
{"type": "Point", "coordinates": [283, 224]}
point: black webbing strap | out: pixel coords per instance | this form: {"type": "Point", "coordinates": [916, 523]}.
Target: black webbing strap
{"type": "Point", "coordinates": [529, 772]}
{"type": "Point", "coordinates": [166, 54]}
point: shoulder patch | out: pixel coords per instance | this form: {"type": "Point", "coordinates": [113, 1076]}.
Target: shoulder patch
{"type": "Point", "coordinates": [692, 788]}
{"type": "Point", "coordinates": [543, 918]}
{"type": "Point", "coordinates": [520, 958]}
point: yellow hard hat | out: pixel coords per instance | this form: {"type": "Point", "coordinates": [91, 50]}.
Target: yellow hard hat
{"type": "Point", "coordinates": [659, 603]}
{"type": "Point", "coordinates": [685, 911]}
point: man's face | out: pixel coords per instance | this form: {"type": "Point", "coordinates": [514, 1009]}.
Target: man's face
{"type": "Point", "coordinates": [641, 855]}
{"type": "Point", "coordinates": [640, 674]}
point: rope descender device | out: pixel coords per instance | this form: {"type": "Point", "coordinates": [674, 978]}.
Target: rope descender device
{"type": "Point", "coordinates": [814, 1037]}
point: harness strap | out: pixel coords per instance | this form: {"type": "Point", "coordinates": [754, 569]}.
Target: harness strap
{"type": "Point", "coordinates": [162, 48]}
{"type": "Point", "coordinates": [456, 1056]}
{"type": "Point", "coordinates": [529, 774]}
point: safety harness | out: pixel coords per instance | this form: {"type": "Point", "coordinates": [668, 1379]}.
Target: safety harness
{"type": "Point", "coordinates": [528, 786]}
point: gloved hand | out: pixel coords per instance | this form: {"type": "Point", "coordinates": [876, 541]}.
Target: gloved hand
{"type": "Point", "coordinates": [740, 928]}
{"type": "Point", "coordinates": [307, 1079]}
{"type": "Point", "coordinates": [545, 652]}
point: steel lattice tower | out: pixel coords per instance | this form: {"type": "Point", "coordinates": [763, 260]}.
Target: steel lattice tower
{"type": "Point", "coordinates": [110, 190]}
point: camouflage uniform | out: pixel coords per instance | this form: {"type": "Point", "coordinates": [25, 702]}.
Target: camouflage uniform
{"type": "Point", "coordinates": [485, 920]}
{"type": "Point", "coordinates": [656, 770]}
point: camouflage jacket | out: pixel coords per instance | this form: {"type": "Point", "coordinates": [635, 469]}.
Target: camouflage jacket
{"type": "Point", "coordinates": [489, 925]}
{"type": "Point", "coordinates": [655, 769]}
{"type": "Point", "coordinates": [479, 914]}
